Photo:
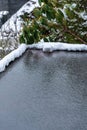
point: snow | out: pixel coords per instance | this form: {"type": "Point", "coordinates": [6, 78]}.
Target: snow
{"type": "Point", "coordinates": [12, 56]}
{"type": "Point", "coordinates": [2, 13]}
{"type": "Point", "coordinates": [14, 24]}
{"type": "Point", "coordinates": [1, 49]}
{"type": "Point", "coordinates": [83, 15]}
{"type": "Point", "coordinates": [13, 27]}
{"type": "Point", "coordinates": [44, 46]}
{"type": "Point", "coordinates": [58, 46]}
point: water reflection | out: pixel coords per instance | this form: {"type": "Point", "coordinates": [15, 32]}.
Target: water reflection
{"type": "Point", "coordinates": [45, 91]}
{"type": "Point", "coordinates": [60, 69]}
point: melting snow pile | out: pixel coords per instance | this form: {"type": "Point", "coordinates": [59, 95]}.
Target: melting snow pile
{"type": "Point", "coordinates": [46, 47]}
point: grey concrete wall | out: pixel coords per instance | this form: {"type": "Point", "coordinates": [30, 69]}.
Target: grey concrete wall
{"type": "Point", "coordinates": [11, 5]}
{"type": "Point", "coordinates": [14, 5]}
{"type": "Point", "coordinates": [3, 5]}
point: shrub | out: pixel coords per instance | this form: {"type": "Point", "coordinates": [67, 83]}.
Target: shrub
{"type": "Point", "coordinates": [56, 20]}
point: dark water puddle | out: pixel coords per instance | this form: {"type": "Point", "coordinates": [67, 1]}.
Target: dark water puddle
{"type": "Point", "coordinates": [45, 91]}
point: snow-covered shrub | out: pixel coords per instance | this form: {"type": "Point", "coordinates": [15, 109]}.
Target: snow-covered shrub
{"type": "Point", "coordinates": [56, 20]}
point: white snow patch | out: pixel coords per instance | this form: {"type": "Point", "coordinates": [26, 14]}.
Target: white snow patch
{"type": "Point", "coordinates": [84, 15]}
{"type": "Point", "coordinates": [44, 46]}
{"type": "Point", "coordinates": [58, 46]}
{"type": "Point", "coordinates": [1, 48]}
{"type": "Point", "coordinates": [14, 24]}
{"type": "Point", "coordinates": [12, 56]}
{"type": "Point", "coordinates": [2, 13]}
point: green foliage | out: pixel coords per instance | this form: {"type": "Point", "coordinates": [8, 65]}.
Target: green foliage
{"type": "Point", "coordinates": [56, 20]}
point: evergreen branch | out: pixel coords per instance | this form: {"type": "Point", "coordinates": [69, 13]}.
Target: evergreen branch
{"type": "Point", "coordinates": [76, 36]}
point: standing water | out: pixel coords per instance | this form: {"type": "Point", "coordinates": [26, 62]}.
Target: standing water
{"type": "Point", "coordinates": [45, 91]}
